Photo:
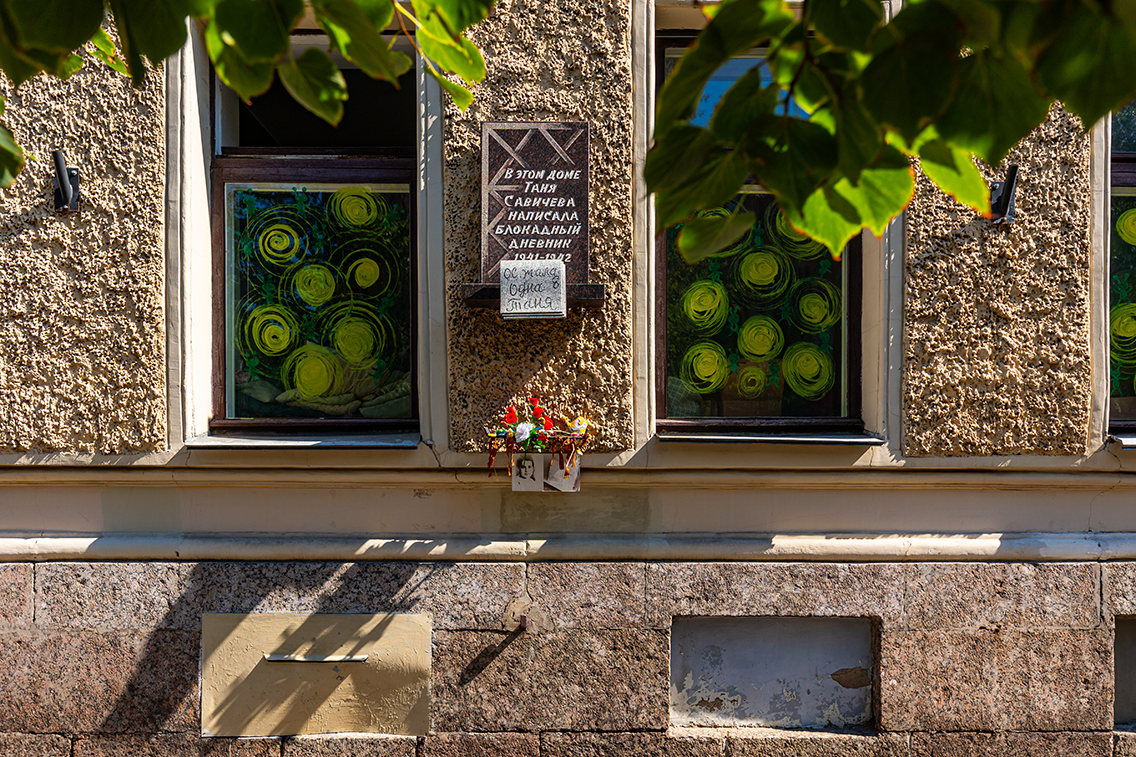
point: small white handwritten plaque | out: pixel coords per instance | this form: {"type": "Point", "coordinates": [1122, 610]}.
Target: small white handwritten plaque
{"type": "Point", "coordinates": [533, 289]}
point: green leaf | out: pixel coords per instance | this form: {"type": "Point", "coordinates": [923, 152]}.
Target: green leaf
{"type": "Point", "coordinates": [836, 213]}
{"type": "Point", "coordinates": [316, 83]}
{"type": "Point", "coordinates": [201, 8]}
{"type": "Point", "coordinates": [462, 14]}
{"type": "Point", "coordinates": [981, 19]}
{"type": "Point", "coordinates": [794, 157]}
{"type": "Point", "coordinates": [461, 96]}
{"type": "Point", "coordinates": [955, 173]}
{"type": "Point", "coordinates": [153, 28]}
{"type": "Point", "coordinates": [847, 24]}
{"type": "Point", "coordinates": [704, 235]}
{"type": "Point", "coordinates": [1091, 65]}
{"type": "Point", "coordinates": [105, 50]}
{"type": "Point", "coordinates": [456, 55]}
{"type": "Point", "coordinates": [258, 29]}
{"type": "Point", "coordinates": [995, 107]}
{"type": "Point", "coordinates": [858, 138]}
{"type": "Point", "coordinates": [355, 35]}
{"type": "Point", "coordinates": [246, 79]}
{"type": "Point", "coordinates": [380, 12]}
{"type": "Point", "coordinates": [714, 183]}
{"type": "Point", "coordinates": [677, 156]}
{"type": "Point", "coordinates": [737, 27]}
{"type": "Point", "coordinates": [54, 25]}
{"type": "Point", "coordinates": [70, 66]}
{"type": "Point", "coordinates": [11, 158]}
{"type": "Point", "coordinates": [911, 78]}
{"type": "Point", "coordinates": [746, 100]}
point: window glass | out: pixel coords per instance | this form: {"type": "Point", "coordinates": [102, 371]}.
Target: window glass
{"type": "Point", "coordinates": [318, 313]}
{"type": "Point", "coordinates": [1124, 130]}
{"type": "Point", "coordinates": [759, 330]}
{"type": "Point", "coordinates": [375, 115]}
{"type": "Point", "coordinates": [764, 330]}
{"type": "Point", "coordinates": [1122, 266]}
{"type": "Point", "coordinates": [722, 79]}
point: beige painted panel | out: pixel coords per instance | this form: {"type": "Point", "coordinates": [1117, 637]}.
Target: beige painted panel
{"type": "Point", "coordinates": [348, 673]}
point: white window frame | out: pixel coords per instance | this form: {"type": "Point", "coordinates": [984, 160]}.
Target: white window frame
{"type": "Point", "coordinates": [192, 92]}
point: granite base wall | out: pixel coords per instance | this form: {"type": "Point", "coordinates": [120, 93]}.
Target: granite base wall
{"type": "Point", "coordinates": [986, 659]}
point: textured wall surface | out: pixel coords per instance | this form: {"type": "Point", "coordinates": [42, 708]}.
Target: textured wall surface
{"type": "Point", "coordinates": [82, 358]}
{"type": "Point", "coordinates": [996, 341]}
{"type": "Point", "coordinates": [989, 659]}
{"type": "Point", "coordinates": [549, 60]}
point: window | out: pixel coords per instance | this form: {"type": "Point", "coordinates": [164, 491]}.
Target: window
{"type": "Point", "coordinates": [1122, 278]}
{"type": "Point", "coordinates": [314, 261]}
{"type": "Point", "coordinates": [766, 333]}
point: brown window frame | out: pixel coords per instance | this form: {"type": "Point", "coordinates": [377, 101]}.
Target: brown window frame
{"type": "Point", "coordinates": [852, 423]}
{"type": "Point", "coordinates": [237, 166]}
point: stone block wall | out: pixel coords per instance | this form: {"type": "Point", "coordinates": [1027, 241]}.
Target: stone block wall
{"type": "Point", "coordinates": [990, 659]}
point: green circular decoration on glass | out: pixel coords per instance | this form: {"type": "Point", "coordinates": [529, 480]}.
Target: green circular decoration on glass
{"type": "Point", "coordinates": [359, 332]}
{"type": "Point", "coordinates": [370, 267]}
{"type": "Point", "coordinates": [313, 284]}
{"type": "Point", "coordinates": [280, 234]}
{"type": "Point", "coordinates": [760, 338]}
{"type": "Point", "coordinates": [271, 330]}
{"type": "Point", "coordinates": [814, 305]}
{"type": "Point", "coordinates": [1126, 226]}
{"type": "Point", "coordinates": [741, 245]}
{"type": "Point", "coordinates": [355, 207]}
{"type": "Point", "coordinates": [704, 368]}
{"type": "Point", "coordinates": [752, 381]}
{"type": "Point", "coordinates": [313, 371]}
{"type": "Point", "coordinates": [793, 242]}
{"type": "Point", "coordinates": [1122, 333]}
{"type": "Point", "coordinates": [763, 276]}
{"type": "Point", "coordinates": [808, 370]}
{"type": "Point", "coordinates": [706, 306]}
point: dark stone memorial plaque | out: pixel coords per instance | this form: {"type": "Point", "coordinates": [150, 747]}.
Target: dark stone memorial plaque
{"type": "Point", "coordinates": [534, 204]}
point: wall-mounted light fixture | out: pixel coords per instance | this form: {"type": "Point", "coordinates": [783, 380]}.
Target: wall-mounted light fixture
{"type": "Point", "coordinates": [1002, 196]}
{"type": "Point", "coordinates": [66, 184]}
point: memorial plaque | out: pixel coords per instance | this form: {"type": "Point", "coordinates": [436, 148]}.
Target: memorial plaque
{"type": "Point", "coordinates": [533, 289]}
{"type": "Point", "coordinates": [534, 196]}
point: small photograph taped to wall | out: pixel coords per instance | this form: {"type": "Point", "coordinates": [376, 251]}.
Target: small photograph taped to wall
{"type": "Point", "coordinates": [528, 473]}
{"type": "Point", "coordinates": [566, 478]}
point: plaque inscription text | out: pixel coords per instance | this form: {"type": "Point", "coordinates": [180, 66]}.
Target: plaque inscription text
{"type": "Point", "coordinates": [534, 196]}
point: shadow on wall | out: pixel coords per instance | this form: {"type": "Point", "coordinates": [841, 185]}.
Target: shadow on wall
{"type": "Point", "coordinates": [157, 692]}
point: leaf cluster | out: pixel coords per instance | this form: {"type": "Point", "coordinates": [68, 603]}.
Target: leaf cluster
{"type": "Point", "coordinates": [942, 81]}
{"type": "Point", "coordinates": [248, 42]}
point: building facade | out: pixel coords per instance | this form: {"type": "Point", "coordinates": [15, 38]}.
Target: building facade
{"type": "Point", "coordinates": [949, 570]}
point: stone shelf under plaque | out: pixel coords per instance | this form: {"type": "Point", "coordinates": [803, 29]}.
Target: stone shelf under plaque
{"type": "Point", "coordinates": [489, 295]}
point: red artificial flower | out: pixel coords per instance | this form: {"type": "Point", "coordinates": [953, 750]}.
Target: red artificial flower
{"type": "Point", "coordinates": [534, 401]}
{"type": "Point", "coordinates": [538, 411]}
{"type": "Point", "coordinates": [547, 424]}
{"type": "Point", "coordinates": [510, 415]}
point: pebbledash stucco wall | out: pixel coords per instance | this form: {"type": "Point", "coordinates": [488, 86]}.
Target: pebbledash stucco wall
{"type": "Point", "coordinates": [82, 343]}
{"type": "Point", "coordinates": [548, 60]}
{"type": "Point", "coordinates": [997, 317]}
{"type": "Point", "coordinates": [994, 660]}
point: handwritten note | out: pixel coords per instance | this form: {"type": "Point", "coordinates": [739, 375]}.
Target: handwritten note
{"type": "Point", "coordinates": [533, 289]}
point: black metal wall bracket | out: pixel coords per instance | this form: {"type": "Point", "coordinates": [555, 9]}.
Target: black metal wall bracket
{"type": "Point", "coordinates": [1002, 197]}
{"type": "Point", "coordinates": [66, 184]}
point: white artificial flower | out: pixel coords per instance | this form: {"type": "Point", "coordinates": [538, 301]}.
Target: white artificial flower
{"type": "Point", "coordinates": [522, 432]}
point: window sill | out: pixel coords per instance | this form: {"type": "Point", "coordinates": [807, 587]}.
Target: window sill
{"type": "Point", "coordinates": [343, 441]}
{"type": "Point", "coordinates": [743, 437]}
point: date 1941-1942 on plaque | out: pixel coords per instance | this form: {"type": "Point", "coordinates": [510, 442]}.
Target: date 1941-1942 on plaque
{"type": "Point", "coordinates": [534, 203]}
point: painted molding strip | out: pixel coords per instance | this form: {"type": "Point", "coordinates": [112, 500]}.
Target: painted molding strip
{"type": "Point", "coordinates": [301, 657]}
{"type": "Point", "coordinates": [1083, 546]}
